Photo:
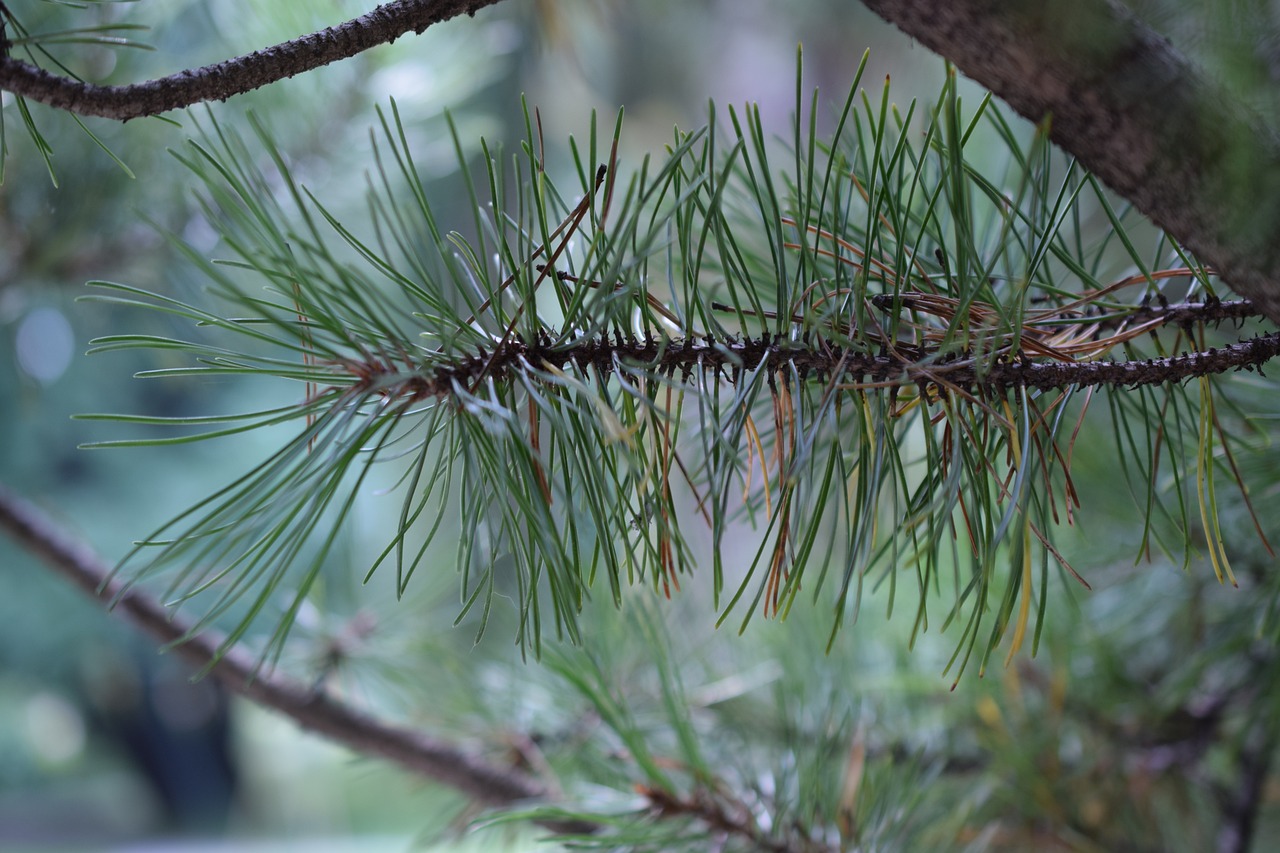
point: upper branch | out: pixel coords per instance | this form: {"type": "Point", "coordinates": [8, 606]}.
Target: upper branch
{"type": "Point", "coordinates": [1135, 112]}
{"type": "Point", "coordinates": [234, 76]}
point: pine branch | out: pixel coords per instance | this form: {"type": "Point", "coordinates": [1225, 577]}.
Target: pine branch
{"type": "Point", "coordinates": [904, 366]}
{"type": "Point", "coordinates": [582, 353]}
{"type": "Point", "coordinates": [313, 710]}
{"type": "Point", "coordinates": [1135, 111]}
{"type": "Point", "coordinates": [236, 76]}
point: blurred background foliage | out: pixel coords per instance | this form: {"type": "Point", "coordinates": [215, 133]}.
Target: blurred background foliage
{"type": "Point", "coordinates": [1147, 721]}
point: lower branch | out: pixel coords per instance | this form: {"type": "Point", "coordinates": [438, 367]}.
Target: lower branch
{"type": "Point", "coordinates": [313, 710]}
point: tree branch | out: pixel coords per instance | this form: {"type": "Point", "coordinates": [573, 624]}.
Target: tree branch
{"type": "Point", "coordinates": [219, 82]}
{"type": "Point", "coordinates": [313, 710]}
{"type": "Point", "coordinates": [1135, 111]}
{"type": "Point", "coordinates": [906, 364]}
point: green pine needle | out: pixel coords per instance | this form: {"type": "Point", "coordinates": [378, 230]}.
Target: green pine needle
{"type": "Point", "coordinates": [698, 369]}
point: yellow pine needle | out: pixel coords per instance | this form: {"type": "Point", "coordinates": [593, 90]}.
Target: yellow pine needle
{"type": "Point", "coordinates": [1024, 608]}
{"type": "Point", "coordinates": [905, 407]}
{"type": "Point", "coordinates": [1205, 490]}
{"type": "Point", "coordinates": [784, 429]}
{"type": "Point", "coordinates": [871, 443]}
{"type": "Point", "coordinates": [535, 444]}
{"type": "Point", "coordinates": [854, 768]}
{"type": "Point", "coordinates": [753, 438]}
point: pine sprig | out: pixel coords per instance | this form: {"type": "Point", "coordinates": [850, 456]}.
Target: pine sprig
{"type": "Point", "coordinates": [873, 368]}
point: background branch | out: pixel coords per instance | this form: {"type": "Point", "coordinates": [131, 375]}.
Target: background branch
{"type": "Point", "coordinates": [1134, 110]}
{"type": "Point", "coordinates": [312, 709]}
{"type": "Point", "coordinates": [236, 76]}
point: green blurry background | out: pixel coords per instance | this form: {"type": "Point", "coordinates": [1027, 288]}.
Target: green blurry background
{"type": "Point", "coordinates": [1133, 722]}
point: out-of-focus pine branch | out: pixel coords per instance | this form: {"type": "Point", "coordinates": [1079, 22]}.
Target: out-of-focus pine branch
{"type": "Point", "coordinates": [485, 782]}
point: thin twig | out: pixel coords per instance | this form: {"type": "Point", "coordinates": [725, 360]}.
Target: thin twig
{"type": "Point", "coordinates": [235, 76]}
{"type": "Point", "coordinates": [485, 782]}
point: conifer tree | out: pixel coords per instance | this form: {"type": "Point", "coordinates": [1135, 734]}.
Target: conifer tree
{"type": "Point", "coordinates": [669, 427]}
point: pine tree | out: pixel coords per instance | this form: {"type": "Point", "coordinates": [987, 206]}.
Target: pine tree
{"type": "Point", "coordinates": [669, 426]}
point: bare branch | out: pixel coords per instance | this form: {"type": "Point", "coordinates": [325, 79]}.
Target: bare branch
{"type": "Point", "coordinates": [442, 761]}
{"type": "Point", "coordinates": [1135, 112]}
{"type": "Point", "coordinates": [219, 82]}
